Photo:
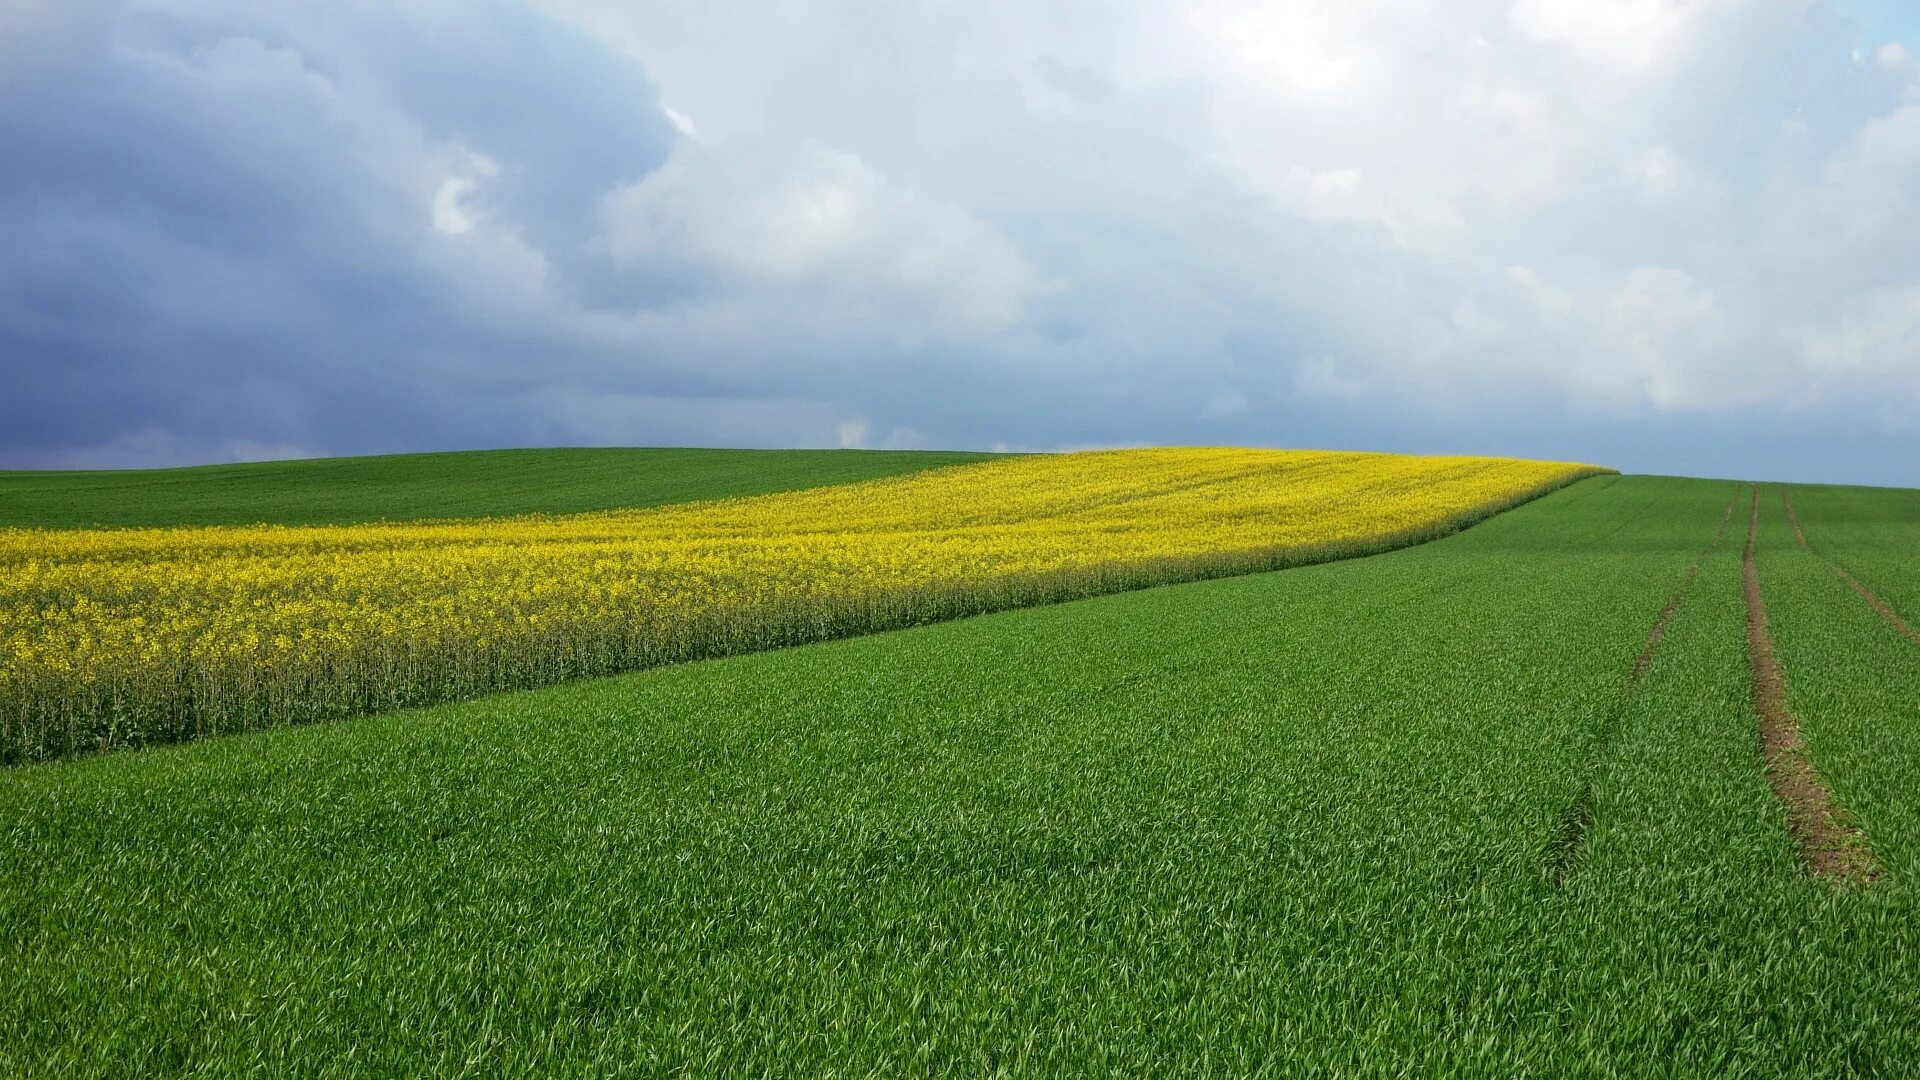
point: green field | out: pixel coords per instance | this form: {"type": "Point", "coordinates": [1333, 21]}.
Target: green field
{"type": "Point", "coordinates": [1391, 816]}
{"type": "Point", "coordinates": [405, 487]}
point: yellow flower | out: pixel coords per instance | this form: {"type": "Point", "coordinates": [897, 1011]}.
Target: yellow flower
{"type": "Point", "coordinates": [203, 629]}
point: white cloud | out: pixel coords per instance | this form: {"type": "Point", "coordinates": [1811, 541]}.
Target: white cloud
{"type": "Point", "coordinates": [1661, 331]}
{"type": "Point", "coordinates": [452, 216]}
{"type": "Point", "coordinates": [1648, 337]}
{"type": "Point", "coordinates": [1659, 176]}
{"type": "Point", "coordinates": [449, 216]}
{"type": "Point", "coordinates": [1324, 195]}
{"type": "Point", "coordinates": [853, 434]}
{"type": "Point", "coordinates": [1355, 182]}
{"type": "Point", "coordinates": [815, 216]}
{"type": "Point", "coordinates": [1867, 189]}
{"type": "Point", "coordinates": [1878, 335]}
{"type": "Point", "coordinates": [1893, 56]}
{"type": "Point", "coordinates": [1311, 49]}
{"type": "Point", "coordinates": [681, 121]}
{"type": "Point", "coordinates": [1627, 34]}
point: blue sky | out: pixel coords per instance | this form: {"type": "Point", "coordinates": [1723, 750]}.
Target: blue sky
{"type": "Point", "coordinates": [1666, 235]}
{"type": "Point", "coordinates": [1882, 21]}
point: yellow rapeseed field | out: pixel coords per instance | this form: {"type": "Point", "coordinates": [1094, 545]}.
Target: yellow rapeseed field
{"type": "Point", "coordinates": [132, 636]}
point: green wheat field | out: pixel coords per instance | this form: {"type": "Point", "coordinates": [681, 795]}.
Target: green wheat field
{"type": "Point", "coordinates": [1497, 804]}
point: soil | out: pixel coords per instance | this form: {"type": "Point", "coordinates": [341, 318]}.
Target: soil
{"type": "Point", "coordinates": [1833, 848]}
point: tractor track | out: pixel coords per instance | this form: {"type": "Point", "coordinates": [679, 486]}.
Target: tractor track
{"type": "Point", "coordinates": [1880, 607]}
{"type": "Point", "coordinates": [1578, 817]}
{"type": "Point", "coordinates": [1832, 847]}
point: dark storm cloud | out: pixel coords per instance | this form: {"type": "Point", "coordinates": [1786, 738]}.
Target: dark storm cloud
{"type": "Point", "coordinates": [217, 223]}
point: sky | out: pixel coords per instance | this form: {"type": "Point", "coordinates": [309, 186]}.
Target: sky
{"type": "Point", "coordinates": [1670, 236]}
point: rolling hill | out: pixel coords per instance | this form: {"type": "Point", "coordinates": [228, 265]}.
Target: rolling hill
{"type": "Point", "coordinates": [411, 487]}
{"type": "Point", "coordinates": [1493, 805]}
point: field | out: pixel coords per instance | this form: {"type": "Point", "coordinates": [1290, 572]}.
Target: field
{"type": "Point", "coordinates": [129, 637]}
{"type": "Point", "coordinates": [410, 487]}
{"type": "Point", "coordinates": [1493, 805]}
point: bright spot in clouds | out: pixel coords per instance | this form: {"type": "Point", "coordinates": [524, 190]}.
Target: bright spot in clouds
{"type": "Point", "coordinates": [681, 121]}
{"type": "Point", "coordinates": [448, 215]}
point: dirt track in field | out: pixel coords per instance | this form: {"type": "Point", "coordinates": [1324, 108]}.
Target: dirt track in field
{"type": "Point", "coordinates": [1659, 631]}
{"type": "Point", "coordinates": [1833, 848]}
{"type": "Point", "coordinates": [1880, 607]}
{"type": "Point", "coordinates": [1579, 814]}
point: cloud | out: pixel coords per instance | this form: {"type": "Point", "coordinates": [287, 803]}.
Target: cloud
{"type": "Point", "coordinates": [1632, 35]}
{"type": "Point", "coordinates": [681, 121]}
{"type": "Point", "coordinates": [1577, 229]}
{"type": "Point", "coordinates": [450, 209]}
{"type": "Point", "coordinates": [1874, 177]}
{"type": "Point", "coordinates": [228, 229]}
{"type": "Point", "coordinates": [1878, 336]}
{"type": "Point", "coordinates": [1658, 331]}
{"type": "Point", "coordinates": [822, 219]}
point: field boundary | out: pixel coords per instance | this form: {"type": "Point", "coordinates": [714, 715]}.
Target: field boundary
{"type": "Point", "coordinates": [1880, 606]}
{"type": "Point", "coordinates": [1578, 817]}
{"type": "Point", "coordinates": [1833, 847]}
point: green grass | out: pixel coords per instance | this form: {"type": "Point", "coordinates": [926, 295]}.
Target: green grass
{"type": "Point", "coordinates": [1298, 823]}
{"type": "Point", "coordinates": [404, 487]}
{"type": "Point", "coordinates": [1870, 531]}
{"type": "Point", "coordinates": [1853, 678]}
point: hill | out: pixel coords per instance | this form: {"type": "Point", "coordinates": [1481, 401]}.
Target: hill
{"type": "Point", "coordinates": [1493, 805]}
{"type": "Point", "coordinates": [408, 487]}
{"type": "Point", "coordinates": [129, 637]}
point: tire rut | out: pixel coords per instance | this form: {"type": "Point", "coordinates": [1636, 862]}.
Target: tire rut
{"type": "Point", "coordinates": [1880, 607]}
{"type": "Point", "coordinates": [1832, 847]}
{"type": "Point", "coordinates": [1564, 852]}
